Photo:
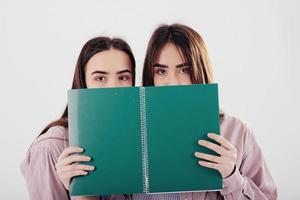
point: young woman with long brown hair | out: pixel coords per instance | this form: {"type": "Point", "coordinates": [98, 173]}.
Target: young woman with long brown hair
{"type": "Point", "coordinates": [177, 55]}
{"type": "Point", "coordinates": [103, 62]}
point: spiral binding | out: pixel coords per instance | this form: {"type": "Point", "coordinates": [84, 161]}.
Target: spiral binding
{"type": "Point", "coordinates": [144, 139]}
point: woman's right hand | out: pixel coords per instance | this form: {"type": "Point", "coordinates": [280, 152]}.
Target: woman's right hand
{"type": "Point", "coordinates": [67, 168]}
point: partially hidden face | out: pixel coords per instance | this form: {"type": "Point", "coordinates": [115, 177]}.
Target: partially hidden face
{"type": "Point", "coordinates": [170, 68]}
{"type": "Point", "coordinates": [109, 68]}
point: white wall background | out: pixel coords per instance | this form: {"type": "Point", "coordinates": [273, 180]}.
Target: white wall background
{"type": "Point", "coordinates": [254, 47]}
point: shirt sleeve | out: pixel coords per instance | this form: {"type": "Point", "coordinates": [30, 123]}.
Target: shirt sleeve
{"type": "Point", "coordinates": [252, 180]}
{"type": "Point", "coordinates": [40, 172]}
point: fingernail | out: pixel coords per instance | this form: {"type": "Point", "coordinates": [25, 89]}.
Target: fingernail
{"type": "Point", "coordinates": [200, 141]}
{"type": "Point", "coordinates": [197, 154]}
{"type": "Point", "coordinates": [87, 158]}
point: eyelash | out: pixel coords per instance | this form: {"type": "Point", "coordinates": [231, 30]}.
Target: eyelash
{"type": "Point", "coordinates": [183, 70]}
{"type": "Point", "coordinates": [97, 78]}
{"type": "Point", "coordinates": [127, 78]}
{"type": "Point", "coordinates": [160, 71]}
{"type": "Point", "coordinates": [121, 78]}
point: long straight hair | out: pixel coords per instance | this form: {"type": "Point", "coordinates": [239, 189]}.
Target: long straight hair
{"type": "Point", "coordinates": [190, 44]}
{"type": "Point", "coordinates": [90, 48]}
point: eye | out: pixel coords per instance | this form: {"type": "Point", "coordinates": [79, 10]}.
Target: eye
{"type": "Point", "coordinates": [160, 71]}
{"type": "Point", "coordinates": [124, 78]}
{"type": "Point", "coordinates": [100, 78]}
{"type": "Point", "coordinates": [184, 70]}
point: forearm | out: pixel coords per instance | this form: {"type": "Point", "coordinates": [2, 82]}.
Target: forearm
{"type": "Point", "coordinates": [238, 187]}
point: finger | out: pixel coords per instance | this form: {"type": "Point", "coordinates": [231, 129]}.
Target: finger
{"type": "Point", "coordinates": [71, 174]}
{"type": "Point", "coordinates": [209, 157]}
{"type": "Point", "coordinates": [221, 140]}
{"type": "Point", "coordinates": [217, 148]}
{"type": "Point", "coordinates": [78, 167]}
{"type": "Point", "coordinates": [69, 150]}
{"type": "Point", "coordinates": [209, 164]}
{"type": "Point", "coordinates": [75, 158]}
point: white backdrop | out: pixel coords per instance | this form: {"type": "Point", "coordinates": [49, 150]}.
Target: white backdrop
{"type": "Point", "coordinates": [254, 47]}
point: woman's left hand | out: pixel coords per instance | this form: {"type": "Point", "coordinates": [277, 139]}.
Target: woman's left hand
{"type": "Point", "coordinates": [225, 163]}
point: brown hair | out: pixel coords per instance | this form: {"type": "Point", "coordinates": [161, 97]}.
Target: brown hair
{"type": "Point", "coordinates": [191, 45]}
{"type": "Point", "coordinates": [192, 48]}
{"type": "Point", "coordinates": [90, 48]}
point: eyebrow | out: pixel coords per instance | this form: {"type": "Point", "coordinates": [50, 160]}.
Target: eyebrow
{"type": "Point", "coordinates": [166, 66]}
{"type": "Point", "coordinates": [182, 65]}
{"type": "Point", "coordinates": [124, 71]}
{"type": "Point", "coordinates": [103, 72]}
{"type": "Point", "coordinates": [99, 72]}
{"type": "Point", "coordinates": [160, 65]}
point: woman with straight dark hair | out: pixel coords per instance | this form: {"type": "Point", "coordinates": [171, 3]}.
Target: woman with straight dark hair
{"type": "Point", "coordinates": [177, 55]}
{"type": "Point", "coordinates": [103, 62]}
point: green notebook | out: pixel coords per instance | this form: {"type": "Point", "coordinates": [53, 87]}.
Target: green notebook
{"type": "Point", "coordinates": [143, 139]}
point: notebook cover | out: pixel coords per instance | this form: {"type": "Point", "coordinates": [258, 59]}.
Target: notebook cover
{"type": "Point", "coordinates": [177, 117]}
{"type": "Point", "coordinates": [106, 123]}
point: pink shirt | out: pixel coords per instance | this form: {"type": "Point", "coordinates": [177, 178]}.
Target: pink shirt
{"type": "Point", "coordinates": [251, 179]}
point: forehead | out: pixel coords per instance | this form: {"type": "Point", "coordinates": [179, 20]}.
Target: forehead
{"type": "Point", "coordinates": [170, 55]}
{"type": "Point", "coordinates": [109, 60]}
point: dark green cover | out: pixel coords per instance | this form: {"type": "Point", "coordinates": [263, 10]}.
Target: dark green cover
{"type": "Point", "coordinates": [108, 124]}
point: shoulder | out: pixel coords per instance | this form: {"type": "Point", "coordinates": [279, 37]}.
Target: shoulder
{"type": "Point", "coordinates": [55, 132]}
{"type": "Point", "coordinates": [46, 148]}
{"type": "Point", "coordinates": [55, 140]}
{"type": "Point", "coordinates": [55, 137]}
{"type": "Point", "coordinates": [230, 122]}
